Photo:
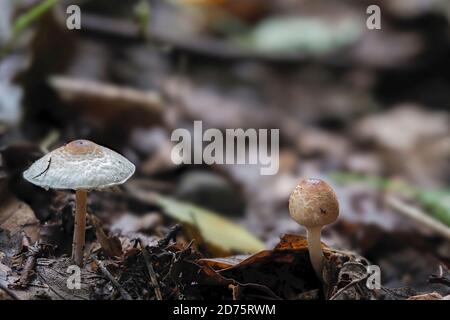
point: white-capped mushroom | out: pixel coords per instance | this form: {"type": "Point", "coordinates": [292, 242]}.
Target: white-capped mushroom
{"type": "Point", "coordinates": [80, 165]}
{"type": "Point", "coordinates": [313, 204]}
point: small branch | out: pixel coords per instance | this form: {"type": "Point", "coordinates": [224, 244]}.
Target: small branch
{"type": "Point", "coordinates": [440, 278]}
{"type": "Point", "coordinates": [419, 216]}
{"type": "Point", "coordinates": [28, 271]}
{"type": "Point", "coordinates": [351, 284]}
{"type": "Point", "coordinates": [30, 263]}
{"type": "Point", "coordinates": [125, 295]}
{"type": "Point", "coordinates": [9, 291]}
{"type": "Point", "coordinates": [46, 169]}
{"type": "Point", "coordinates": [169, 236]}
{"type": "Point", "coordinates": [151, 272]}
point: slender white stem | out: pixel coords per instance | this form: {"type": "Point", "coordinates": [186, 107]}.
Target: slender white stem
{"type": "Point", "coordinates": [315, 250]}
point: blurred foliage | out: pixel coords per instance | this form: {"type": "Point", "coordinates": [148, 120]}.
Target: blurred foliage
{"type": "Point", "coordinates": [308, 35]}
{"type": "Point", "coordinates": [436, 202]}
{"type": "Point", "coordinates": [31, 15]}
{"type": "Point", "coordinates": [25, 20]}
{"type": "Point", "coordinates": [142, 12]}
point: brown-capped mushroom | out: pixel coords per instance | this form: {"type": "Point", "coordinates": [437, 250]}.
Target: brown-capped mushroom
{"type": "Point", "coordinates": [313, 204]}
{"type": "Point", "coordinates": [80, 165]}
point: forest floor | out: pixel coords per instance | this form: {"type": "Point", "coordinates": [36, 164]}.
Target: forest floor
{"type": "Point", "coordinates": [365, 111]}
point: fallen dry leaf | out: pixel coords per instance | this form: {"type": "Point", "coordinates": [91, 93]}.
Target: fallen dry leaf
{"type": "Point", "coordinates": [110, 244]}
{"type": "Point", "coordinates": [218, 233]}
{"type": "Point", "coordinates": [286, 270]}
{"type": "Point", "coordinates": [17, 216]}
{"type": "Point", "coordinates": [426, 296]}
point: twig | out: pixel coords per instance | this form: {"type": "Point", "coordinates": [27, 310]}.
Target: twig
{"type": "Point", "coordinates": [170, 235]}
{"type": "Point", "coordinates": [9, 291]}
{"type": "Point", "coordinates": [174, 259]}
{"type": "Point", "coordinates": [30, 263]}
{"type": "Point", "coordinates": [439, 278]}
{"type": "Point", "coordinates": [351, 284]}
{"type": "Point", "coordinates": [46, 169]}
{"type": "Point", "coordinates": [125, 295]}
{"type": "Point", "coordinates": [151, 272]}
{"type": "Point", "coordinates": [419, 216]}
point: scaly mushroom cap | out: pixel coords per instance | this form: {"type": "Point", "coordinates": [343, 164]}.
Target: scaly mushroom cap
{"type": "Point", "coordinates": [313, 203]}
{"type": "Point", "coordinates": [80, 164]}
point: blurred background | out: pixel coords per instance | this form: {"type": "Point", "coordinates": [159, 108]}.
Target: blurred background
{"type": "Point", "coordinates": [365, 110]}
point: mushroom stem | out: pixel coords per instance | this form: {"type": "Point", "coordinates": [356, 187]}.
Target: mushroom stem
{"type": "Point", "coordinates": [80, 227]}
{"type": "Point", "coordinates": [315, 250]}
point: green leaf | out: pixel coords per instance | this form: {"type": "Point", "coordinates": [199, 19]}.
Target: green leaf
{"type": "Point", "coordinates": [31, 15]}
{"type": "Point", "coordinates": [307, 35]}
{"type": "Point", "coordinates": [437, 202]}
{"type": "Point", "coordinates": [214, 229]}
{"type": "Point", "coordinates": [22, 22]}
{"type": "Point", "coordinates": [142, 13]}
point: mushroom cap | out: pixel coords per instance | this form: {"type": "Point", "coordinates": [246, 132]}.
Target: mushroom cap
{"type": "Point", "coordinates": [313, 203]}
{"type": "Point", "coordinates": [80, 164]}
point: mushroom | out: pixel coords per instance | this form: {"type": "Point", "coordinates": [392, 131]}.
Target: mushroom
{"type": "Point", "coordinates": [313, 204]}
{"type": "Point", "coordinates": [80, 165]}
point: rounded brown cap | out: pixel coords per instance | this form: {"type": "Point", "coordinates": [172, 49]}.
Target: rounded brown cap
{"type": "Point", "coordinates": [80, 164]}
{"type": "Point", "coordinates": [313, 203]}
